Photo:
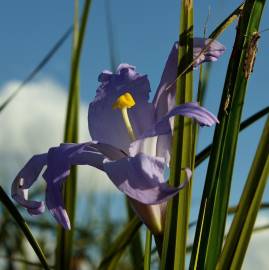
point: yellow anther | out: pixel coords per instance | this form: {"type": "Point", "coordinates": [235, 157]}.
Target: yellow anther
{"type": "Point", "coordinates": [124, 101]}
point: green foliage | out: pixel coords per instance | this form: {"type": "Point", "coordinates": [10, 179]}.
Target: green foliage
{"type": "Point", "coordinates": [177, 217]}
{"type": "Point", "coordinates": [65, 238]}
{"type": "Point", "coordinates": [23, 226]}
{"type": "Point", "coordinates": [243, 223]}
{"type": "Point", "coordinates": [200, 157]}
{"type": "Point", "coordinates": [147, 259]}
{"type": "Point", "coordinates": [115, 251]}
{"type": "Point", "coordinates": [213, 210]}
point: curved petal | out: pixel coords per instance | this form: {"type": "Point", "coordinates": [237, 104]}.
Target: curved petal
{"type": "Point", "coordinates": [60, 160]}
{"type": "Point", "coordinates": [24, 180]}
{"type": "Point", "coordinates": [55, 205]}
{"type": "Point", "coordinates": [105, 123]}
{"type": "Point", "coordinates": [58, 166]}
{"type": "Point", "coordinates": [164, 99]}
{"type": "Point", "coordinates": [191, 109]}
{"type": "Point", "coordinates": [141, 178]}
{"type": "Point", "coordinates": [157, 140]}
{"type": "Point", "coordinates": [214, 50]}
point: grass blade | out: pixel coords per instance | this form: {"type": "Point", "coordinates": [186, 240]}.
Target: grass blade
{"type": "Point", "coordinates": [177, 218]}
{"type": "Point", "coordinates": [255, 230]}
{"type": "Point", "coordinates": [147, 258]}
{"type": "Point", "coordinates": [37, 69]}
{"type": "Point", "coordinates": [24, 262]}
{"type": "Point", "coordinates": [65, 238]}
{"type": "Point", "coordinates": [218, 180]}
{"type": "Point", "coordinates": [219, 30]}
{"type": "Point", "coordinates": [200, 157]}
{"type": "Point", "coordinates": [232, 210]}
{"type": "Point", "coordinates": [113, 255]}
{"type": "Point", "coordinates": [243, 223]}
{"type": "Point", "coordinates": [11, 208]}
{"type": "Point", "coordinates": [229, 20]}
{"type": "Point", "coordinates": [136, 252]}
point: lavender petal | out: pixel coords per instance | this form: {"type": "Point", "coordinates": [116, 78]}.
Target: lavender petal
{"type": "Point", "coordinates": [191, 110]}
{"type": "Point", "coordinates": [24, 180]}
{"type": "Point", "coordinates": [105, 123]}
{"type": "Point", "coordinates": [141, 178]}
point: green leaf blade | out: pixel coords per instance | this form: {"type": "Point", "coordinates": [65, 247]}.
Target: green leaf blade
{"type": "Point", "coordinates": [176, 227]}
{"type": "Point", "coordinates": [147, 259]}
{"type": "Point", "coordinates": [23, 226]}
{"type": "Point", "coordinates": [116, 250]}
{"type": "Point", "coordinates": [219, 175]}
{"type": "Point", "coordinates": [243, 223]}
{"type": "Point", "coordinates": [65, 238]}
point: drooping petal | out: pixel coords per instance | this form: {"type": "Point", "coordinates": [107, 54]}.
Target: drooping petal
{"type": "Point", "coordinates": [58, 166]}
{"type": "Point", "coordinates": [191, 110]}
{"type": "Point", "coordinates": [55, 205]}
{"type": "Point", "coordinates": [156, 141]}
{"type": "Point", "coordinates": [60, 160]}
{"type": "Point", "coordinates": [141, 178]}
{"type": "Point", "coordinates": [105, 123]}
{"type": "Point", "coordinates": [24, 180]}
{"type": "Point", "coordinates": [164, 99]}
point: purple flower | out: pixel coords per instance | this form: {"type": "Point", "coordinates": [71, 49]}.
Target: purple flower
{"type": "Point", "coordinates": [132, 148]}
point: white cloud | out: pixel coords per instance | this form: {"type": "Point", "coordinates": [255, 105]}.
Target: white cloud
{"type": "Point", "coordinates": [257, 253]}
{"type": "Point", "coordinates": [33, 122]}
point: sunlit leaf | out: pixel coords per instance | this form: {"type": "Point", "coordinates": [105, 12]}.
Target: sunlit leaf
{"type": "Point", "coordinates": [115, 251]}
{"type": "Point", "coordinates": [240, 231]}
{"type": "Point", "coordinates": [64, 237]}
{"type": "Point", "coordinates": [211, 223]}
{"type": "Point", "coordinates": [11, 208]}
{"type": "Point", "coordinates": [183, 153]}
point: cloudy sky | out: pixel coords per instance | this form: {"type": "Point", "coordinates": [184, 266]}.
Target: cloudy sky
{"type": "Point", "coordinates": [23, 135]}
{"type": "Point", "coordinates": [144, 33]}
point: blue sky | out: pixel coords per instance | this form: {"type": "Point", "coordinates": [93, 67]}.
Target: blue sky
{"type": "Point", "coordinates": [144, 33]}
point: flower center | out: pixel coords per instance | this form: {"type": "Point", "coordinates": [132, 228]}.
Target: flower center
{"type": "Point", "coordinates": [124, 102]}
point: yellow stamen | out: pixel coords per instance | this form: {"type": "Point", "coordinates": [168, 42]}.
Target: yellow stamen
{"type": "Point", "coordinates": [128, 123]}
{"type": "Point", "coordinates": [123, 103]}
